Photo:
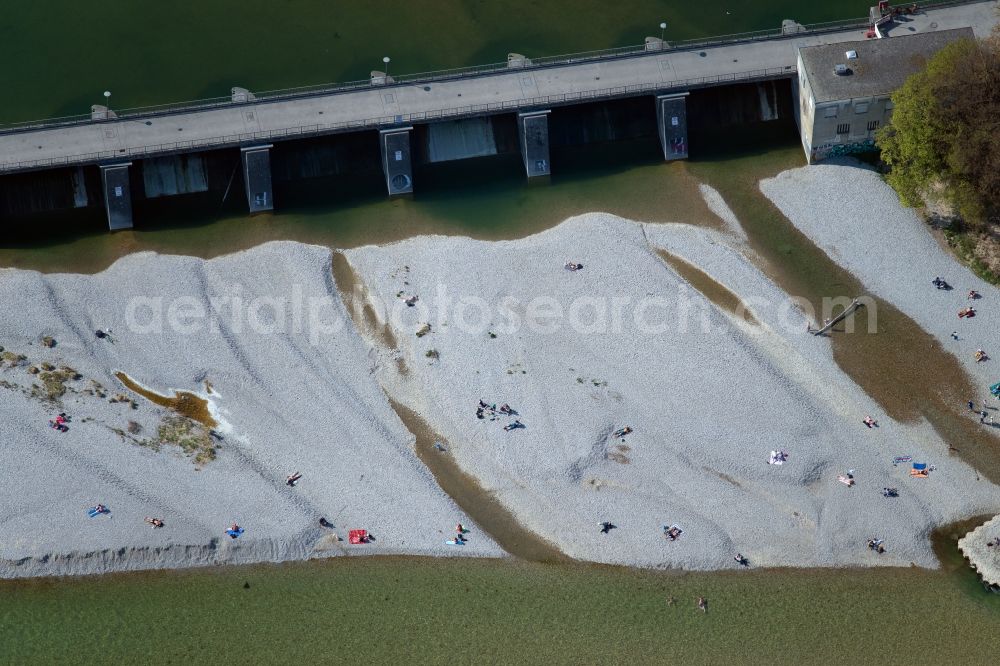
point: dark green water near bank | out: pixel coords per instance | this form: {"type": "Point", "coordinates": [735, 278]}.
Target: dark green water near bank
{"type": "Point", "coordinates": [417, 610]}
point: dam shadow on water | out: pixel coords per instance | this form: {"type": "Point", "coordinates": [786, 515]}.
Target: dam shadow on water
{"type": "Point", "coordinates": [331, 191]}
{"type": "Point", "coordinates": [485, 197]}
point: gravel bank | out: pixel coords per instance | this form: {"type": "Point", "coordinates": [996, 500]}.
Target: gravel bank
{"type": "Point", "coordinates": [707, 397]}
{"type": "Point", "coordinates": [706, 403]}
{"type": "Point", "coordinates": [285, 401]}
{"type": "Point", "coordinates": [848, 211]}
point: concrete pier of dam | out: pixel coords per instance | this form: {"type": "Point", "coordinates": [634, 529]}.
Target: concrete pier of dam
{"type": "Point", "coordinates": [395, 109]}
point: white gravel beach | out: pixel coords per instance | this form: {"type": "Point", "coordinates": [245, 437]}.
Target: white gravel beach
{"type": "Point", "coordinates": [284, 402]}
{"type": "Point", "coordinates": [850, 213]}
{"type": "Point", "coordinates": [705, 407]}
{"type": "Point", "coordinates": [707, 398]}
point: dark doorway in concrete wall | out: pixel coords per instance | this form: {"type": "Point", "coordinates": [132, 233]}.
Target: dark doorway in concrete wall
{"type": "Point", "coordinates": [602, 122]}
{"type": "Point", "coordinates": [603, 135]}
{"type": "Point", "coordinates": [180, 190]}
{"type": "Point", "coordinates": [475, 153]}
{"type": "Point", "coordinates": [465, 139]}
{"type": "Point", "coordinates": [737, 105]}
{"type": "Point", "coordinates": [49, 202]}
{"type": "Point", "coordinates": [326, 170]}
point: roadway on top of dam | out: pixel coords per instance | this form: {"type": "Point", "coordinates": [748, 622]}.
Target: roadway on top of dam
{"type": "Point", "coordinates": [380, 106]}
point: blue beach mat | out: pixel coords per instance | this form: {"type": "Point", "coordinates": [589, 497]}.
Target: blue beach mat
{"type": "Point", "coordinates": [235, 534]}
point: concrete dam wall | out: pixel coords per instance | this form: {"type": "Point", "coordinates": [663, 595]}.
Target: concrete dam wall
{"type": "Point", "coordinates": [445, 154]}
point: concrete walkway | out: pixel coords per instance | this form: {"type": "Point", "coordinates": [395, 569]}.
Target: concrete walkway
{"type": "Point", "coordinates": [382, 106]}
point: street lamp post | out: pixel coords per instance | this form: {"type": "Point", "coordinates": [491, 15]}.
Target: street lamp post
{"type": "Point", "coordinates": [107, 104]}
{"type": "Point", "coordinates": [663, 30]}
{"type": "Point", "coordinates": [385, 60]}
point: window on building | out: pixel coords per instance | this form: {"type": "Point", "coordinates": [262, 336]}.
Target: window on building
{"type": "Point", "coordinates": [844, 128]}
{"type": "Point", "coordinates": [872, 125]}
{"type": "Point", "coordinates": [830, 112]}
{"type": "Point", "coordinates": [861, 107]}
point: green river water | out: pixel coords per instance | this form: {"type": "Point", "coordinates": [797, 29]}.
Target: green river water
{"type": "Point", "coordinates": [403, 610]}
{"type": "Point", "coordinates": [68, 52]}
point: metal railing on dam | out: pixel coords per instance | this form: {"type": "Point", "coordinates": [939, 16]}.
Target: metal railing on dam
{"type": "Point", "coordinates": [393, 120]}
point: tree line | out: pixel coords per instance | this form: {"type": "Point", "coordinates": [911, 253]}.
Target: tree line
{"type": "Point", "coordinates": [943, 143]}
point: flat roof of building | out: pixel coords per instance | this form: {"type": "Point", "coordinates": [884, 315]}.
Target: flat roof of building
{"type": "Point", "coordinates": [881, 66]}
